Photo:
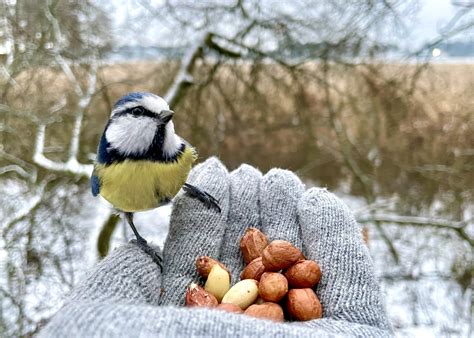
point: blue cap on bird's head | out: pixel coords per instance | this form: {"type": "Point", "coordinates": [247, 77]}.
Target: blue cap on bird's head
{"type": "Point", "coordinates": [130, 97]}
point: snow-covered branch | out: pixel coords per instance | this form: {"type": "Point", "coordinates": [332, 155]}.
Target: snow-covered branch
{"type": "Point", "coordinates": [412, 220]}
{"type": "Point", "coordinates": [6, 74]}
{"type": "Point", "coordinates": [57, 50]}
{"type": "Point", "coordinates": [82, 105]}
{"type": "Point", "coordinates": [22, 168]}
{"type": "Point", "coordinates": [73, 167]}
{"type": "Point", "coordinates": [14, 168]}
{"type": "Point", "coordinates": [8, 37]}
{"type": "Point", "coordinates": [458, 227]}
{"type": "Point", "coordinates": [183, 78]}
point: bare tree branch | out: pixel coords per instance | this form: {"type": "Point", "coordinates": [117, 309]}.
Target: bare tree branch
{"type": "Point", "coordinates": [72, 165]}
{"type": "Point", "coordinates": [183, 79]}
{"type": "Point", "coordinates": [44, 162]}
{"type": "Point", "coordinates": [458, 227]}
{"type": "Point", "coordinates": [30, 172]}
{"type": "Point", "coordinates": [57, 50]}
{"type": "Point", "coordinates": [83, 103]}
{"type": "Point", "coordinates": [14, 168]}
{"type": "Point", "coordinates": [412, 220]}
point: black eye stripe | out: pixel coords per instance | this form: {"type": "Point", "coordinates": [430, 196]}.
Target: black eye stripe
{"type": "Point", "coordinates": [148, 113]}
{"type": "Point", "coordinates": [136, 112]}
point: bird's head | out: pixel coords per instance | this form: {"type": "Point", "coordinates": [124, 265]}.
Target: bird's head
{"type": "Point", "coordinates": [140, 121]}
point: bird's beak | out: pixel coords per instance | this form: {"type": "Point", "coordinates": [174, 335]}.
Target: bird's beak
{"type": "Point", "coordinates": [166, 115]}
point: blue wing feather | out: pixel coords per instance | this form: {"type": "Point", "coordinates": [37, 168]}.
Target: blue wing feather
{"type": "Point", "coordinates": [95, 185]}
{"type": "Point", "coordinates": [103, 155]}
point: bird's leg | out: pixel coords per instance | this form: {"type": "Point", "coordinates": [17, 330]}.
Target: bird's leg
{"type": "Point", "coordinates": [142, 243]}
{"type": "Point", "coordinates": [203, 196]}
{"type": "Point", "coordinates": [129, 217]}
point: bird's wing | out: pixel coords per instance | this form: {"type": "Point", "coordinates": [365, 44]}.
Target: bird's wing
{"type": "Point", "coordinates": [95, 185]}
{"type": "Point", "coordinates": [103, 154]}
{"type": "Point", "coordinates": [103, 157]}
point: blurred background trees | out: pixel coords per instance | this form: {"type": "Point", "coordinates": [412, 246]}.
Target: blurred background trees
{"type": "Point", "coordinates": [332, 90]}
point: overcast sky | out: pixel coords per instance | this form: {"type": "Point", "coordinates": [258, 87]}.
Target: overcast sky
{"type": "Point", "coordinates": [432, 16]}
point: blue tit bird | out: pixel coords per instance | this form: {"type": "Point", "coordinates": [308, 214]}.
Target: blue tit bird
{"type": "Point", "coordinates": [141, 162]}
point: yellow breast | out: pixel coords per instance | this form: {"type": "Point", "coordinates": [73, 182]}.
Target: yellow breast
{"type": "Point", "coordinates": [141, 185]}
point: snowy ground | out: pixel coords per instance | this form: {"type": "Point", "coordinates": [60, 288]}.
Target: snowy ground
{"type": "Point", "coordinates": [422, 297]}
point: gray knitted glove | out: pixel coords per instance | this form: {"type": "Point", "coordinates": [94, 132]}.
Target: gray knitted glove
{"type": "Point", "coordinates": [126, 295]}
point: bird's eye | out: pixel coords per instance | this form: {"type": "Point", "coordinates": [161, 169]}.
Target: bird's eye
{"type": "Point", "coordinates": [137, 111]}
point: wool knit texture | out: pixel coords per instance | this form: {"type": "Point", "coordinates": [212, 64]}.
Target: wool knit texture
{"type": "Point", "coordinates": [126, 294]}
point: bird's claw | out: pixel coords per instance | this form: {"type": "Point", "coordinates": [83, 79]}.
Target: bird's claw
{"type": "Point", "coordinates": [210, 201]}
{"type": "Point", "coordinates": [202, 196]}
{"type": "Point", "coordinates": [143, 245]}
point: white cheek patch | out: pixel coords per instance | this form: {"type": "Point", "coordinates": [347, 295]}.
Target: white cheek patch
{"type": "Point", "coordinates": [131, 135]}
{"type": "Point", "coordinates": [172, 142]}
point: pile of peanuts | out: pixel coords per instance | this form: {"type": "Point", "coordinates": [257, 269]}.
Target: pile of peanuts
{"type": "Point", "coordinates": [277, 282]}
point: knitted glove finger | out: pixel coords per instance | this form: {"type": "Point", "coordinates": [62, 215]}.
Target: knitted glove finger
{"type": "Point", "coordinates": [195, 230]}
{"type": "Point", "coordinates": [128, 274]}
{"type": "Point", "coordinates": [280, 191]}
{"type": "Point", "coordinates": [348, 289]}
{"type": "Point", "coordinates": [243, 213]}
